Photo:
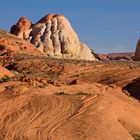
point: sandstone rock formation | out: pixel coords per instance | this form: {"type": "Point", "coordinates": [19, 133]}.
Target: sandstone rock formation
{"type": "Point", "coordinates": [4, 72]}
{"type": "Point", "coordinates": [54, 36]}
{"type": "Point", "coordinates": [11, 45]}
{"type": "Point", "coordinates": [22, 27]}
{"type": "Point", "coordinates": [137, 53]}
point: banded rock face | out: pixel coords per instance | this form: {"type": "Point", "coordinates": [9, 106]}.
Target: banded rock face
{"type": "Point", "coordinates": [54, 36]}
{"type": "Point", "coordinates": [137, 53]}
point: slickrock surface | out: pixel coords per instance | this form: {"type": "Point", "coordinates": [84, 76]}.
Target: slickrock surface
{"type": "Point", "coordinates": [54, 36]}
{"type": "Point", "coordinates": [52, 99]}
{"type": "Point", "coordinates": [23, 25]}
{"type": "Point", "coordinates": [137, 53]}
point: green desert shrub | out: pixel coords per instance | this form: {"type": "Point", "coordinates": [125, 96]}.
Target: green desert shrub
{"type": "Point", "coordinates": [5, 79]}
{"type": "Point", "coordinates": [135, 135]}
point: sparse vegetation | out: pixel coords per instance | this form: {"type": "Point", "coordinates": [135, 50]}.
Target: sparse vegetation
{"type": "Point", "coordinates": [83, 93]}
{"type": "Point", "coordinates": [43, 86]}
{"type": "Point", "coordinates": [60, 93]}
{"type": "Point", "coordinates": [5, 79]}
{"type": "Point", "coordinates": [135, 135]}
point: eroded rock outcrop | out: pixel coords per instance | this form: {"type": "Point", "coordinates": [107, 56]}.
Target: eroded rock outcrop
{"type": "Point", "coordinates": [54, 36]}
{"type": "Point", "coordinates": [11, 46]}
{"type": "Point", "coordinates": [137, 53]}
{"type": "Point", "coordinates": [5, 73]}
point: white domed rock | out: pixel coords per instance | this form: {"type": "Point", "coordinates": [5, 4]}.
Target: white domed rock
{"type": "Point", "coordinates": [54, 36]}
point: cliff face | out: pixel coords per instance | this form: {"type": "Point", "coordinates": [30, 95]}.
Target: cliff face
{"type": "Point", "coordinates": [137, 52]}
{"type": "Point", "coordinates": [54, 36]}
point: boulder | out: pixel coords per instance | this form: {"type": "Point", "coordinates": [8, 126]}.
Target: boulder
{"type": "Point", "coordinates": [22, 28]}
{"type": "Point", "coordinates": [11, 46]}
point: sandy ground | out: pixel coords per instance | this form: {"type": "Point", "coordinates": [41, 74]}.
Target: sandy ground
{"type": "Point", "coordinates": [83, 101]}
{"type": "Point", "coordinates": [50, 99]}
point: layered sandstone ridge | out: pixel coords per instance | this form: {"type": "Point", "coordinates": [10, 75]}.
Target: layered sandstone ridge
{"type": "Point", "coordinates": [11, 46]}
{"type": "Point", "coordinates": [54, 36]}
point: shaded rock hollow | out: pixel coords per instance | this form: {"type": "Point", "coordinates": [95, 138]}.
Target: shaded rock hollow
{"type": "Point", "coordinates": [54, 36]}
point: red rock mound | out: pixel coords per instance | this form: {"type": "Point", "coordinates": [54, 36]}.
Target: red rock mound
{"type": "Point", "coordinates": [11, 45]}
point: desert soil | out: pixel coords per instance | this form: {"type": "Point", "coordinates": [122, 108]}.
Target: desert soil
{"type": "Point", "coordinates": [50, 99]}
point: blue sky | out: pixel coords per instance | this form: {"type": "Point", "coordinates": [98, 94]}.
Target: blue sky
{"type": "Point", "coordinates": [105, 25]}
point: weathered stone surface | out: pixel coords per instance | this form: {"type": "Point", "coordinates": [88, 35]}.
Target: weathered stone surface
{"type": "Point", "coordinates": [11, 46]}
{"type": "Point", "coordinates": [54, 36]}
{"type": "Point", "coordinates": [22, 28]}
{"type": "Point", "coordinates": [137, 53]}
{"type": "Point", "coordinates": [5, 73]}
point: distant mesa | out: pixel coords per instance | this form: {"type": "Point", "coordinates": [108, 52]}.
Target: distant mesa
{"type": "Point", "coordinates": [137, 52]}
{"type": "Point", "coordinates": [54, 36]}
{"type": "Point", "coordinates": [128, 56]}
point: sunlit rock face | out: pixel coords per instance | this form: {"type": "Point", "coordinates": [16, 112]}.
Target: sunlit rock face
{"type": "Point", "coordinates": [137, 52]}
{"type": "Point", "coordinates": [54, 36]}
{"type": "Point", "coordinates": [22, 28]}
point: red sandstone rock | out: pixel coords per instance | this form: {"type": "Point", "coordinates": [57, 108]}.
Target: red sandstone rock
{"type": "Point", "coordinates": [12, 45]}
{"type": "Point", "coordinates": [22, 28]}
{"type": "Point", "coordinates": [4, 72]}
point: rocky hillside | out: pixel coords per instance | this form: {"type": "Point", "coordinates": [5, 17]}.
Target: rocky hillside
{"type": "Point", "coordinates": [59, 99]}
{"type": "Point", "coordinates": [11, 45]}
{"type": "Point", "coordinates": [54, 36]}
{"type": "Point", "coordinates": [5, 73]}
